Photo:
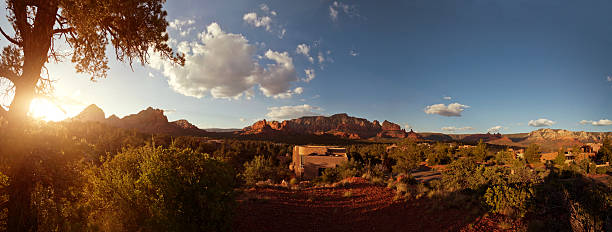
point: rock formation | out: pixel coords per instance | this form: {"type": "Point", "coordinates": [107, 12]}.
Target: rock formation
{"type": "Point", "coordinates": [91, 113]}
{"type": "Point", "coordinates": [146, 121]}
{"type": "Point", "coordinates": [340, 125]}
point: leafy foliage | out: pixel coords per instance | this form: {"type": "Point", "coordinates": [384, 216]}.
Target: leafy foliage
{"type": "Point", "coordinates": [513, 200]}
{"type": "Point", "coordinates": [260, 169]}
{"type": "Point", "coordinates": [157, 189]}
{"type": "Point", "coordinates": [532, 153]}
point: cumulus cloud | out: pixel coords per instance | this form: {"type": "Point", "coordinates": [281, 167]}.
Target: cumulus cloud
{"type": "Point", "coordinates": [447, 98]}
{"type": "Point", "coordinates": [184, 27]}
{"type": "Point", "coordinates": [289, 93]}
{"type": "Point", "coordinates": [291, 112]}
{"type": "Point", "coordinates": [265, 20]}
{"type": "Point", "coordinates": [450, 110]}
{"type": "Point", "coordinates": [338, 7]}
{"type": "Point", "coordinates": [601, 122]}
{"type": "Point", "coordinates": [253, 20]}
{"type": "Point", "coordinates": [276, 79]}
{"type": "Point", "coordinates": [304, 49]}
{"type": "Point", "coordinates": [455, 129]}
{"type": "Point", "coordinates": [542, 122]}
{"type": "Point", "coordinates": [310, 75]}
{"type": "Point", "coordinates": [494, 129]}
{"type": "Point", "coordinates": [222, 65]}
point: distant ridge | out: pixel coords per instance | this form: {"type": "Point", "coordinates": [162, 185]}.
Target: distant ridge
{"type": "Point", "coordinates": [340, 125]}
{"type": "Point", "coordinates": [147, 121]}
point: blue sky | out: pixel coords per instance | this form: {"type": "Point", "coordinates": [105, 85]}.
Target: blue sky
{"type": "Point", "coordinates": [515, 66]}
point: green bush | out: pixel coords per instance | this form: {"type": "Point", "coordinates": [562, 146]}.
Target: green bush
{"type": "Point", "coordinates": [156, 189]}
{"type": "Point", "coordinates": [349, 169]}
{"type": "Point", "coordinates": [532, 153]}
{"type": "Point", "coordinates": [511, 200]}
{"type": "Point", "coordinates": [260, 169]}
{"type": "Point", "coordinates": [329, 176]}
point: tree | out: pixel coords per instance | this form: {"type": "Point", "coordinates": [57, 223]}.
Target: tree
{"type": "Point", "coordinates": [532, 153]}
{"type": "Point", "coordinates": [134, 28]}
{"type": "Point", "coordinates": [560, 159]}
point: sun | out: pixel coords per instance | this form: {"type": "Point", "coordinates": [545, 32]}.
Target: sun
{"type": "Point", "coordinates": [46, 110]}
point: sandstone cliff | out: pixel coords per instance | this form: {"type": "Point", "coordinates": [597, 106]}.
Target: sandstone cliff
{"type": "Point", "coordinates": [340, 125]}
{"type": "Point", "coordinates": [146, 121]}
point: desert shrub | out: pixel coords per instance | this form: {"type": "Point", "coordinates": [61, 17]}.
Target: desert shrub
{"type": "Point", "coordinates": [155, 189]}
{"type": "Point", "coordinates": [348, 169]}
{"type": "Point", "coordinates": [511, 199]}
{"type": "Point", "coordinates": [601, 170]}
{"type": "Point", "coordinates": [260, 169]}
{"type": "Point", "coordinates": [560, 159]}
{"type": "Point", "coordinates": [532, 153]}
{"type": "Point", "coordinates": [329, 176]}
{"type": "Point", "coordinates": [462, 174]}
{"type": "Point", "coordinates": [504, 157]}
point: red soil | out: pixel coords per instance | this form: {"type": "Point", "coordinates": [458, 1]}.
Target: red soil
{"type": "Point", "coordinates": [368, 208]}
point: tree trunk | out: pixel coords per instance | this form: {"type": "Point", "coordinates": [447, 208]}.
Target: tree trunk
{"type": "Point", "coordinates": [21, 214]}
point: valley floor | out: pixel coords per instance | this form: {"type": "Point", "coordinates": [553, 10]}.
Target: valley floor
{"type": "Point", "coordinates": [359, 206]}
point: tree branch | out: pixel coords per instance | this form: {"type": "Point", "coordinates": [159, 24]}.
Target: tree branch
{"type": "Point", "coordinates": [63, 30]}
{"type": "Point", "coordinates": [18, 43]}
{"type": "Point", "coordinates": [8, 74]}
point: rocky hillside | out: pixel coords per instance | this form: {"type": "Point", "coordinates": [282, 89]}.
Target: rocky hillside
{"type": "Point", "coordinates": [147, 121]}
{"type": "Point", "coordinates": [558, 134]}
{"type": "Point", "coordinates": [340, 125]}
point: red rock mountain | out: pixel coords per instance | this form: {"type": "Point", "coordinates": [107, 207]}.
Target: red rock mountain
{"type": "Point", "coordinates": [147, 121]}
{"type": "Point", "coordinates": [340, 125]}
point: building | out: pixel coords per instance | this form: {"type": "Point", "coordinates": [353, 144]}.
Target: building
{"type": "Point", "coordinates": [309, 162]}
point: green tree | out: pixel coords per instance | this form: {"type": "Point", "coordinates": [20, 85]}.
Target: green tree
{"type": "Point", "coordinates": [605, 152]}
{"type": "Point", "coordinates": [259, 169]}
{"type": "Point", "coordinates": [157, 189]}
{"type": "Point", "coordinates": [133, 28]}
{"type": "Point", "coordinates": [532, 153]}
{"type": "Point", "coordinates": [560, 159]}
{"type": "Point", "coordinates": [480, 151]}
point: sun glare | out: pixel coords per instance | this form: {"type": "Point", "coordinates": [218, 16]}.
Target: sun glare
{"type": "Point", "coordinates": [44, 109]}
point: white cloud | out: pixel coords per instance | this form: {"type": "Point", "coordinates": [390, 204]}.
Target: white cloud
{"type": "Point", "coordinates": [601, 122]}
{"type": "Point", "coordinates": [321, 58]}
{"type": "Point", "coordinates": [263, 21]}
{"type": "Point", "coordinates": [276, 79]}
{"type": "Point", "coordinates": [447, 98]}
{"type": "Point", "coordinates": [184, 27]}
{"type": "Point", "coordinates": [290, 93]}
{"type": "Point", "coordinates": [353, 53]}
{"type": "Point", "coordinates": [455, 129]}
{"type": "Point", "coordinates": [494, 129]}
{"type": "Point", "coordinates": [338, 7]}
{"type": "Point", "coordinates": [304, 49]}
{"type": "Point", "coordinates": [450, 110]}
{"type": "Point", "coordinates": [542, 122]}
{"type": "Point", "coordinates": [243, 119]}
{"type": "Point", "coordinates": [310, 75]}
{"type": "Point", "coordinates": [291, 112]}
{"type": "Point", "coordinates": [222, 65]}
{"type": "Point", "coordinates": [407, 126]}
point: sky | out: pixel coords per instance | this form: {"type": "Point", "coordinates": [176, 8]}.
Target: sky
{"type": "Point", "coordinates": [451, 66]}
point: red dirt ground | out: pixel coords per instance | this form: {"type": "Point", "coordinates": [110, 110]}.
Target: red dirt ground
{"type": "Point", "coordinates": [369, 208]}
